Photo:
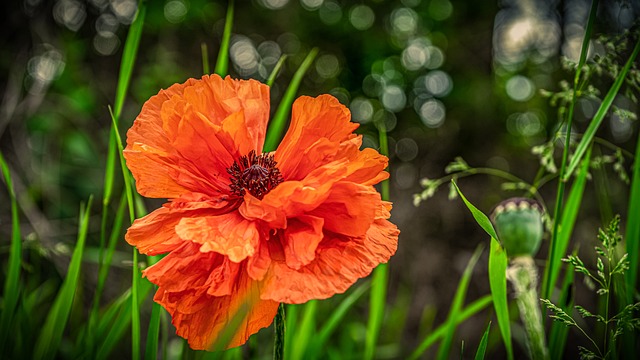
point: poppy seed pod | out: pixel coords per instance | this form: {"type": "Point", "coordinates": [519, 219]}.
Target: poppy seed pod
{"type": "Point", "coordinates": [518, 222]}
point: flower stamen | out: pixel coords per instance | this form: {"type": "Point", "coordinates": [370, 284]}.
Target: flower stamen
{"type": "Point", "coordinates": [257, 174]}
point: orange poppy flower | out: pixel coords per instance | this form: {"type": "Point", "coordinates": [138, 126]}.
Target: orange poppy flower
{"type": "Point", "coordinates": [246, 230]}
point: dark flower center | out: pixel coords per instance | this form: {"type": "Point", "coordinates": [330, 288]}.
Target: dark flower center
{"type": "Point", "coordinates": [256, 174]}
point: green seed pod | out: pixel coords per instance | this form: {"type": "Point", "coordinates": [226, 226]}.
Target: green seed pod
{"type": "Point", "coordinates": [518, 222]}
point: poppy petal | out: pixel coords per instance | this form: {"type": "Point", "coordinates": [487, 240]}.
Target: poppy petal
{"type": "Point", "coordinates": [188, 268]}
{"type": "Point", "coordinates": [313, 119]}
{"type": "Point", "coordinates": [301, 239]}
{"type": "Point", "coordinates": [218, 322]}
{"type": "Point", "coordinates": [228, 234]}
{"type": "Point", "coordinates": [339, 263]}
{"type": "Point", "coordinates": [188, 135]}
{"type": "Point", "coordinates": [155, 233]}
{"type": "Point", "coordinates": [349, 209]}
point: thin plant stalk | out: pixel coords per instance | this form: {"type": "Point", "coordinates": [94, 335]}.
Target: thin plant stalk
{"type": "Point", "coordinates": [553, 259]}
{"type": "Point", "coordinates": [380, 273]}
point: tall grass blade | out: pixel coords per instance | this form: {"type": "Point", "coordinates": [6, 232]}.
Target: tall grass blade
{"type": "Point", "coordinates": [478, 215]}
{"type": "Point", "coordinates": [456, 305]}
{"type": "Point", "coordinates": [276, 70]}
{"type": "Point", "coordinates": [632, 240]}
{"type": "Point", "coordinates": [116, 319]}
{"type": "Point", "coordinates": [51, 335]}
{"type": "Point", "coordinates": [129, 58]}
{"type": "Point", "coordinates": [105, 261]}
{"type": "Point", "coordinates": [205, 58]}
{"type": "Point", "coordinates": [565, 229]}
{"type": "Point", "coordinates": [471, 309]}
{"type": "Point", "coordinates": [498, 284]}
{"type": "Point", "coordinates": [633, 229]}
{"type": "Point", "coordinates": [153, 333]}
{"type": "Point", "coordinates": [334, 320]}
{"type": "Point", "coordinates": [559, 331]}
{"type": "Point", "coordinates": [222, 62]}
{"type": "Point", "coordinates": [277, 124]}
{"type": "Point", "coordinates": [292, 328]}
{"type": "Point", "coordinates": [600, 114]}
{"type": "Point", "coordinates": [304, 333]}
{"type": "Point", "coordinates": [11, 285]}
{"type": "Point", "coordinates": [380, 276]}
{"type": "Point", "coordinates": [482, 347]}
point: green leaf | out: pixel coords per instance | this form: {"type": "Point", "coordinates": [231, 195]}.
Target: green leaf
{"type": "Point", "coordinates": [12, 279]}
{"type": "Point", "coordinates": [277, 124]}
{"type": "Point", "coordinates": [51, 335]}
{"type": "Point", "coordinates": [482, 347]}
{"type": "Point", "coordinates": [498, 284]}
{"type": "Point", "coordinates": [377, 304]}
{"type": "Point", "coordinates": [472, 309]}
{"type": "Point", "coordinates": [222, 63]}
{"type": "Point", "coordinates": [589, 134]}
{"type": "Point", "coordinates": [480, 217]}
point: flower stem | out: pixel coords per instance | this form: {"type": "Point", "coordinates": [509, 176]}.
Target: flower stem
{"type": "Point", "coordinates": [523, 274]}
{"type": "Point", "coordinates": [278, 346]}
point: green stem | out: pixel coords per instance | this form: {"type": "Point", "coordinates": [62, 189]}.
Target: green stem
{"type": "Point", "coordinates": [278, 348]}
{"type": "Point", "coordinates": [523, 274]}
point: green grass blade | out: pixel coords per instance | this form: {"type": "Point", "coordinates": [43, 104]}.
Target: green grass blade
{"type": "Point", "coordinates": [498, 284]}
{"type": "Point", "coordinates": [222, 62]}
{"type": "Point", "coordinates": [380, 277]}
{"type": "Point", "coordinates": [135, 308]}
{"type": "Point", "coordinates": [205, 58]}
{"type": "Point", "coordinates": [276, 70]}
{"type": "Point", "coordinates": [565, 229]}
{"type": "Point", "coordinates": [587, 138]}
{"type": "Point", "coordinates": [303, 335]}
{"type": "Point", "coordinates": [103, 272]}
{"type": "Point", "coordinates": [478, 215]}
{"type": "Point", "coordinates": [292, 328]}
{"type": "Point", "coordinates": [153, 334]}
{"type": "Point", "coordinates": [12, 279]}
{"type": "Point", "coordinates": [559, 331]}
{"type": "Point", "coordinates": [334, 320]}
{"type": "Point", "coordinates": [117, 319]}
{"type": "Point", "coordinates": [633, 229]}
{"type": "Point", "coordinates": [471, 309]}
{"type": "Point", "coordinates": [456, 306]}
{"type": "Point", "coordinates": [51, 335]}
{"type": "Point", "coordinates": [277, 124]}
{"type": "Point", "coordinates": [128, 58]}
{"type": "Point", "coordinates": [376, 308]}
{"type": "Point", "coordinates": [482, 347]}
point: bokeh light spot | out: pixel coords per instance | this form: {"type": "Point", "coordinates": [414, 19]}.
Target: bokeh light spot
{"type": "Point", "coordinates": [327, 66]}
{"type": "Point", "coordinates": [393, 98]}
{"type": "Point", "coordinates": [438, 83]}
{"type": "Point", "coordinates": [361, 17]}
{"type": "Point", "coordinates": [432, 113]}
{"type": "Point", "coordinates": [520, 88]}
{"type": "Point", "coordinates": [330, 12]}
{"type": "Point", "coordinates": [175, 11]}
{"type": "Point", "coordinates": [406, 149]}
{"type": "Point", "coordinates": [361, 110]}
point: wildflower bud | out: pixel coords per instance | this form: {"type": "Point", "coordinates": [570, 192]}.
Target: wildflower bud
{"type": "Point", "coordinates": [518, 222]}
